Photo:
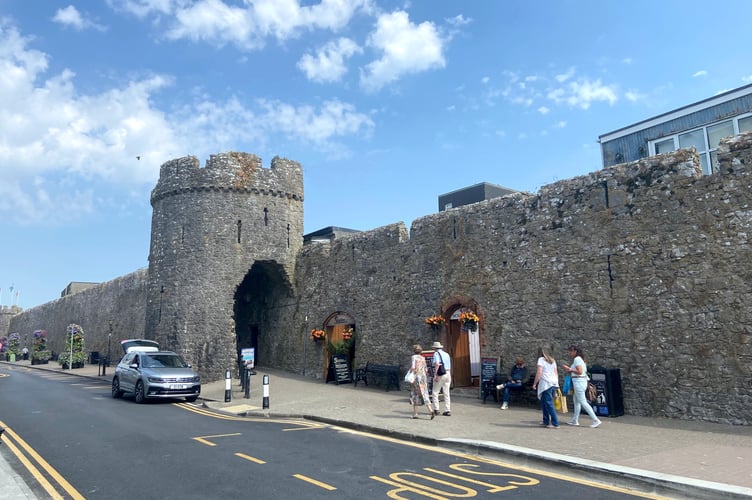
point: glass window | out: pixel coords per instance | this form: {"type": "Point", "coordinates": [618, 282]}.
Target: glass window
{"type": "Point", "coordinates": [695, 139]}
{"type": "Point", "coordinates": [713, 161]}
{"type": "Point", "coordinates": [745, 124]}
{"type": "Point", "coordinates": [718, 132]}
{"type": "Point", "coordinates": [665, 146]}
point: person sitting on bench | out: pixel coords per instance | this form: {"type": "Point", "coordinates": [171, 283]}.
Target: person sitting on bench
{"type": "Point", "coordinates": [515, 381]}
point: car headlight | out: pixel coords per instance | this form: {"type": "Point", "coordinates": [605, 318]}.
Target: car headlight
{"type": "Point", "coordinates": [155, 380]}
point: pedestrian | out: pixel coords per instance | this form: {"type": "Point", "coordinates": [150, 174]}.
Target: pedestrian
{"type": "Point", "coordinates": [442, 379]}
{"type": "Point", "coordinates": [419, 390]}
{"type": "Point", "coordinates": [516, 379]}
{"type": "Point", "coordinates": [547, 382]}
{"type": "Point", "coordinates": [578, 372]}
{"type": "Point", "coordinates": [25, 352]}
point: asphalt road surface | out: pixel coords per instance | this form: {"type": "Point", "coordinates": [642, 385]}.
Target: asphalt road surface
{"type": "Point", "coordinates": [72, 440]}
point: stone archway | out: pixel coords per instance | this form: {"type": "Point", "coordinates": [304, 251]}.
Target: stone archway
{"type": "Point", "coordinates": [260, 302]}
{"type": "Point", "coordinates": [462, 343]}
{"type": "Point", "coordinates": [340, 338]}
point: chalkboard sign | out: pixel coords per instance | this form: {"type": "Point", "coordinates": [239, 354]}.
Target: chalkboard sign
{"type": "Point", "coordinates": [428, 355]}
{"type": "Point", "coordinates": [487, 372]}
{"type": "Point", "coordinates": [339, 370]}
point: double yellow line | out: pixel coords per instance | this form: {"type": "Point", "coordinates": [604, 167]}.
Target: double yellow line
{"type": "Point", "coordinates": [27, 455]}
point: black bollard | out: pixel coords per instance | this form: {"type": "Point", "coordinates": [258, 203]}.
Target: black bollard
{"type": "Point", "coordinates": [247, 394]}
{"type": "Point", "coordinates": [265, 404]}
{"type": "Point", "coordinates": [228, 387]}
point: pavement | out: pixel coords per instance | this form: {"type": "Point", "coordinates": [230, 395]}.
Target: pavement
{"type": "Point", "coordinates": [666, 457]}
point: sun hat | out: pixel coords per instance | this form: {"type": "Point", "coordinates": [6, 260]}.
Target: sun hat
{"type": "Point", "coordinates": [437, 345]}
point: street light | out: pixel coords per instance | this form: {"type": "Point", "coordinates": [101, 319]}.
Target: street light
{"type": "Point", "coordinates": [109, 341]}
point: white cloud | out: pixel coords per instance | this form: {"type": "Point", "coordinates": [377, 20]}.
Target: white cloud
{"type": "Point", "coordinates": [543, 110]}
{"type": "Point", "coordinates": [333, 119]}
{"type": "Point", "coordinates": [563, 77]}
{"type": "Point", "coordinates": [747, 78]}
{"type": "Point", "coordinates": [216, 22]}
{"type": "Point", "coordinates": [406, 48]}
{"type": "Point", "coordinates": [702, 72]}
{"type": "Point", "coordinates": [560, 124]}
{"type": "Point", "coordinates": [458, 20]}
{"type": "Point", "coordinates": [328, 64]}
{"type": "Point", "coordinates": [57, 143]}
{"type": "Point", "coordinates": [583, 92]}
{"type": "Point", "coordinates": [71, 17]}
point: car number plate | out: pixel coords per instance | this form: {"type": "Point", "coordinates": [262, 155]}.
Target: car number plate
{"type": "Point", "coordinates": [178, 386]}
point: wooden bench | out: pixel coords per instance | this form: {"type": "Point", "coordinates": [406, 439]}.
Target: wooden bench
{"type": "Point", "coordinates": [389, 375]}
{"type": "Point", "coordinates": [521, 394]}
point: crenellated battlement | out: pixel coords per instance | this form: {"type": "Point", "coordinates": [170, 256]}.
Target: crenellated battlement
{"type": "Point", "coordinates": [230, 172]}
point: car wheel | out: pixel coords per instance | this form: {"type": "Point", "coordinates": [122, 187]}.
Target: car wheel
{"type": "Point", "coordinates": [191, 399]}
{"type": "Point", "coordinates": [116, 392]}
{"type": "Point", "coordinates": [140, 393]}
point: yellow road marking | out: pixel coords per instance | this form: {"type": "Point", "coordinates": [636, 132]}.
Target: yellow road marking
{"type": "Point", "coordinates": [32, 469]}
{"type": "Point", "coordinates": [75, 495]}
{"type": "Point", "coordinates": [313, 481]}
{"type": "Point", "coordinates": [250, 458]}
{"type": "Point", "coordinates": [205, 440]}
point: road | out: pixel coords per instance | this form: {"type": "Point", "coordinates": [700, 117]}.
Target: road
{"type": "Point", "coordinates": [84, 444]}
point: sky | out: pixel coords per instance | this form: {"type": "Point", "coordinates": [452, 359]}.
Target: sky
{"type": "Point", "coordinates": [385, 104]}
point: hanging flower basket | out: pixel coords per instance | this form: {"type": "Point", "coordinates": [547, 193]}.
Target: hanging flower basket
{"type": "Point", "coordinates": [348, 333]}
{"type": "Point", "coordinates": [469, 320]}
{"type": "Point", "coordinates": [435, 322]}
{"type": "Point", "coordinates": [318, 335]}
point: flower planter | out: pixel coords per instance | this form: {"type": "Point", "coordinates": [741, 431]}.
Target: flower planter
{"type": "Point", "coordinates": [76, 364]}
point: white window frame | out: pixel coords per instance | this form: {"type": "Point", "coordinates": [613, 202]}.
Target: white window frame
{"type": "Point", "coordinates": [706, 153]}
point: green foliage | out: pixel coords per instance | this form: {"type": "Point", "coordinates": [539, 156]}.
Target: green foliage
{"type": "Point", "coordinates": [75, 334]}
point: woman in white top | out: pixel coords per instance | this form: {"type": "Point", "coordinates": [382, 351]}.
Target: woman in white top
{"type": "Point", "coordinates": [547, 381]}
{"type": "Point", "coordinates": [578, 372]}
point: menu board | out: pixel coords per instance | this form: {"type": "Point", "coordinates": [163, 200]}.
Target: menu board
{"type": "Point", "coordinates": [487, 372]}
{"type": "Point", "coordinates": [339, 370]}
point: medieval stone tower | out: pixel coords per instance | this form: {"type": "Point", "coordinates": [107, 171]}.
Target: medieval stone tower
{"type": "Point", "coordinates": [224, 239]}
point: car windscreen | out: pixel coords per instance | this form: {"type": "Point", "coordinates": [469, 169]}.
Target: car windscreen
{"type": "Point", "coordinates": [162, 361]}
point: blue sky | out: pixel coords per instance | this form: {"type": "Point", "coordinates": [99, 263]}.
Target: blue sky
{"type": "Point", "coordinates": [385, 104]}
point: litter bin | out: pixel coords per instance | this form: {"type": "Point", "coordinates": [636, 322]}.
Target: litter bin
{"type": "Point", "coordinates": [94, 358]}
{"type": "Point", "coordinates": [12, 357]}
{"type": "Point", "coordinates": [609, 402]}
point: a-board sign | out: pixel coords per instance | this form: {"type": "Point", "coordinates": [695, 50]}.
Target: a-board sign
{"type": "Point", "coordinates": [428, 355]}
{"type": "Point", "coordinates": [248, 355]}
{"type": "Point", "coordinates": [487, 371]}
{"type": "Point", "coordinates": [339, 370]}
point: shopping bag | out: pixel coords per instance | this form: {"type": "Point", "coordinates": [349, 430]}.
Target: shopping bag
{"type": "Point", "coordinates": [410, 377]}
{"type": "Point", "coordinates": [567, 387]}
{"type": "Point", "coordinates": [557, 399]}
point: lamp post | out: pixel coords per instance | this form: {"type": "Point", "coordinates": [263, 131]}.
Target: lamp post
{"type": "Point", "coordinates": [70, 359]}
{"type": "Point", "coordinates": [109, 341]}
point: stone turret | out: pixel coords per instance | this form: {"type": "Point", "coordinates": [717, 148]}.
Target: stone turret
{"type": "Point", "coordinates": [209, 227]}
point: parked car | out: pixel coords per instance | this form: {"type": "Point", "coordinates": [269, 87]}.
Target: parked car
{"type": "Point", "coordinates": [155, 374]}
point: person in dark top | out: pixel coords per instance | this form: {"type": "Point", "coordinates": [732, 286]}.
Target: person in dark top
{"type": "Point", "coordinates": [515, 381]}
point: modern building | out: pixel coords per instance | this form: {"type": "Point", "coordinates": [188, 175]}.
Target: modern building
{"type": "Point", "coordinates": [472, 194]}
{"type": "Point", "coordinates": [700, 125]}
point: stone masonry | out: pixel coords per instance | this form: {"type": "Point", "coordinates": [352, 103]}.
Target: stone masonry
{"type": "Point", "coordinates": [645, 265]}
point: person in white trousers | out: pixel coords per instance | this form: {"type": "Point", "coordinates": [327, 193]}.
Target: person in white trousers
{"type": "Point", "coordinates": [441, 382]}
{"type": "Point", "coordinates": [578, 372]}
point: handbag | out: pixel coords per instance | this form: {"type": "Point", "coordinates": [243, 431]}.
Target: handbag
{"type": "Point", "coordinates": [410, 377]}
{"type": "Point", "coordinates": [567, 387]}
{"type": "Point", "coordinates": [591, 393]}
{"type": "Point", "coordinates": [441, 370]}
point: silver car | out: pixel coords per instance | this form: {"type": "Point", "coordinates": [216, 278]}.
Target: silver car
{"type": "Point", "coordinates": [160, 374]}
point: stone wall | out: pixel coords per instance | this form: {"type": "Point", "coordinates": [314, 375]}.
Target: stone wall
{"type": "Point", "coordinates": [645, 265]}
{"type": "Point", "coordinates": [120, 302]}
